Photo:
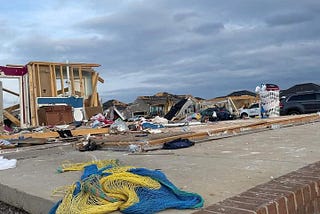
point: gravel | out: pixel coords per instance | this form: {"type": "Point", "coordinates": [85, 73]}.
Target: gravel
{"type": "Point", "coordinates": [8, 209]}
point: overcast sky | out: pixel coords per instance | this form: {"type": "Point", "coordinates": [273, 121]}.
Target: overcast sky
{"type": "Point", "coordinates": [206, 48]}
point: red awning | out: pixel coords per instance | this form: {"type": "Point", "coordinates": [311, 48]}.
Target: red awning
{"type": "Point", "coordinates": [14, 71]}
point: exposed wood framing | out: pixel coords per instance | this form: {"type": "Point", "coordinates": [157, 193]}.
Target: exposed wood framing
{"type": "Point", "coordinates": [32, 94]}
{"type": "Point", "coordinates": [11, 117]}
{"type": "Point", "coordinates": [81, 83]}
{"type": "Point", "coordinates": [35, 86]}
{"type": "Point", "coordinates": [94, 100]}
{"type": "Point", "coordinates": [89, 65]}
{"type": "Point", "coordinates": [12, 108]}
{"type": "Point", "coordinates": [53, 81]}
{"type": "Point", "coordinates": [61, 79]}
{"type": "Point", "coordinates": [100, 79]}
{"type": "Point", "coordinates": [72, 80]}
{"type": "Point", "coordinates": [38, 81]}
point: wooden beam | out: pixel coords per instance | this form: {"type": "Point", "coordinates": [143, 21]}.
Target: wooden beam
{"type": "Point", "coordinates": [89, 65]}
{"type": "Point", "coordinates": [72, 80]}
{"type": "Point", "coordinates": [81, 83]}
{"type": "Point", "coordinates": [12, 108]}
{"type": "Point", "coordinates": [33, 108]}
{"type": "Point", "coordinates": [61, 79]}
{"type": "Point", "coordinates": [11, 92]}
{"type": "Point", "coordinates": [39, 81]}
{"type": "Point", "coordinates": [100, 79]}
{"type": "Point", "coordinates": [50, 134]}
{"type": "Point", "coordinates": [11, 118]}
{"type": "Point", "coordinates": [61, 90]}
{"type": "Point", "coordinates": [15, 66]}
{"type": "Point", "coordinates": [52, 81]}
{"type": "Point", "coordinates": [94, 89]}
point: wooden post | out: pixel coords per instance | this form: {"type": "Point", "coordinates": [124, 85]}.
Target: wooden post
{"type": "Point", "coordinates": [93, 101]}
{"type": "Point", "coordinates": [54, 80]}
{"type": "Point", "coordinates": [33, 97]}
{"type": "Point", "coordinates": [81, 84]}
{"type": "Point", "coordinates": [61, 79]}
{"type": "Point", "coordinates": [72, 81]}
{"type": "Point", "coordinates": [39, 81]}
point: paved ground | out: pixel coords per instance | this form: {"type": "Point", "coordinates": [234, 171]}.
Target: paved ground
{"type": "Point", "coordinates": [216, 169]}
{"type": "Point", "coordinates": [8, 209]}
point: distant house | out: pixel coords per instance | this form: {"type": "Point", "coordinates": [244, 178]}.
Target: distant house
{"type": "Point", "coordinates": [299, 88]}
{"type": "Point", "coordinates": [110, 103]}
{"type": "Point", "coordinates": [183, 108]}
{"type": "Point", "coordinates": [156, 105]}
{"type": "Point", "coordinates": [242, 93]}
{"type": "Point", "coordinates": [114, 109]}
{"type": "Point", "coordinates": [233, 101]}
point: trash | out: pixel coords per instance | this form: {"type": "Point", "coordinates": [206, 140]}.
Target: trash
{"type": "Point", "coordinates": [134, 148]}
{"type": "Point", "coordinates": [118, 126]}
{"type": "Point", "coordinates": [7, 164]}
{"type": "Point", "coordinates": [89, 146]}
{"type": "Point", "coordinates": [148, 125]}
{"type": "Point", "coordinates": [160, 120]}
{"type": "Point", "coordinates": [5, 142]}
{"type": "Point", "coordinates": [95, 124]}
{"type": "Point", "coordinates": [275, 126]}
{"type": "Point", "coordinates": [153, 131]}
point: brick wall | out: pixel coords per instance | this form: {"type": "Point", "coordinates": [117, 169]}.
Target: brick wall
{"type": "Point", "coordinates": [295, 193]}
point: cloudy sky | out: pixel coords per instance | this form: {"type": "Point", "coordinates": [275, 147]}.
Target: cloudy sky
{"type": "Point", "coordinates": [206, 48]}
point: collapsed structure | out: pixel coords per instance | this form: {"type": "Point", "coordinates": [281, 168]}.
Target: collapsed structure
{"type": "Point", "coordinates": [53, 93]}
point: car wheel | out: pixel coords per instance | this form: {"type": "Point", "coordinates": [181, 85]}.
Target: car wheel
{"type": "Point", "coordinates": [204, 119]}
{"type": "Point", "coordinates": [293, 112]}
{"type": "Point", "coordinates": [244, 115]}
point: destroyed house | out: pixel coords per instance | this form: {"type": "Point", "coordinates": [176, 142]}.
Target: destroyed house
{"type": "Point", "coordinates": [53, 93]}
{"type": "Point", "coordinates": [157, 105]}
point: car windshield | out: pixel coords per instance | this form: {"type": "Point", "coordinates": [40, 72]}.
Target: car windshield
{"type": "Point", "coordinates": [256, 105]}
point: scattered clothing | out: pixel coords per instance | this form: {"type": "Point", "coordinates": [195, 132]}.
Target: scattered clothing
{"type": "Point", "coordinates": [178, 144]}
{"type": "Point", "coordinates": [7, 164]}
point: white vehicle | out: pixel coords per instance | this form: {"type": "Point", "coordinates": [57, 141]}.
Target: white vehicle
{"type": "Point", "coordinates": [252, 111]}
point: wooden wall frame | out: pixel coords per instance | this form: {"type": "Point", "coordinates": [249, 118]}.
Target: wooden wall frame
{"type": "Point", "coordinates": [55, 70]}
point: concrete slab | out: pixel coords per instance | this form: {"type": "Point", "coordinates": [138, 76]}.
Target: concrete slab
{"type": "Point", "coordinates": [216, 170]}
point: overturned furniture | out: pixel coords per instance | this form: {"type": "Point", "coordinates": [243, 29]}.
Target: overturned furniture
{"type": "Point", "coordinates": [46, 86]}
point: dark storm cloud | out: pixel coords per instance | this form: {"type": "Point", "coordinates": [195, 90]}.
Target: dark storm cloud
{"type": "Point", "coordinates": [206, 48]}
{"type": "Point", "coordinates": [288, 19]}
{"type": "Point", "coordinates": [182, 16]}
{"type": "Point", "coordinates": [209, 28]}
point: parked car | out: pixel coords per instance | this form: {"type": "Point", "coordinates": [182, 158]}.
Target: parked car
{"type": "Point", "coordinates": [215, 114]}
{"type": "Point", "coordinates": [300, 103]}
{"type": "Point", "coordinates": [252, 111]}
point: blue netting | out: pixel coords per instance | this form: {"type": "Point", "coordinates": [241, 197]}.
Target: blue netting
{"type": "Point", "coordinates": [168, 196]}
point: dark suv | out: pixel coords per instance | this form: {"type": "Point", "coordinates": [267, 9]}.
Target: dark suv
{"type": "Point", "coordinates": [220, 114]}
{"type": "Point", "coordinates": [300, 103]}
